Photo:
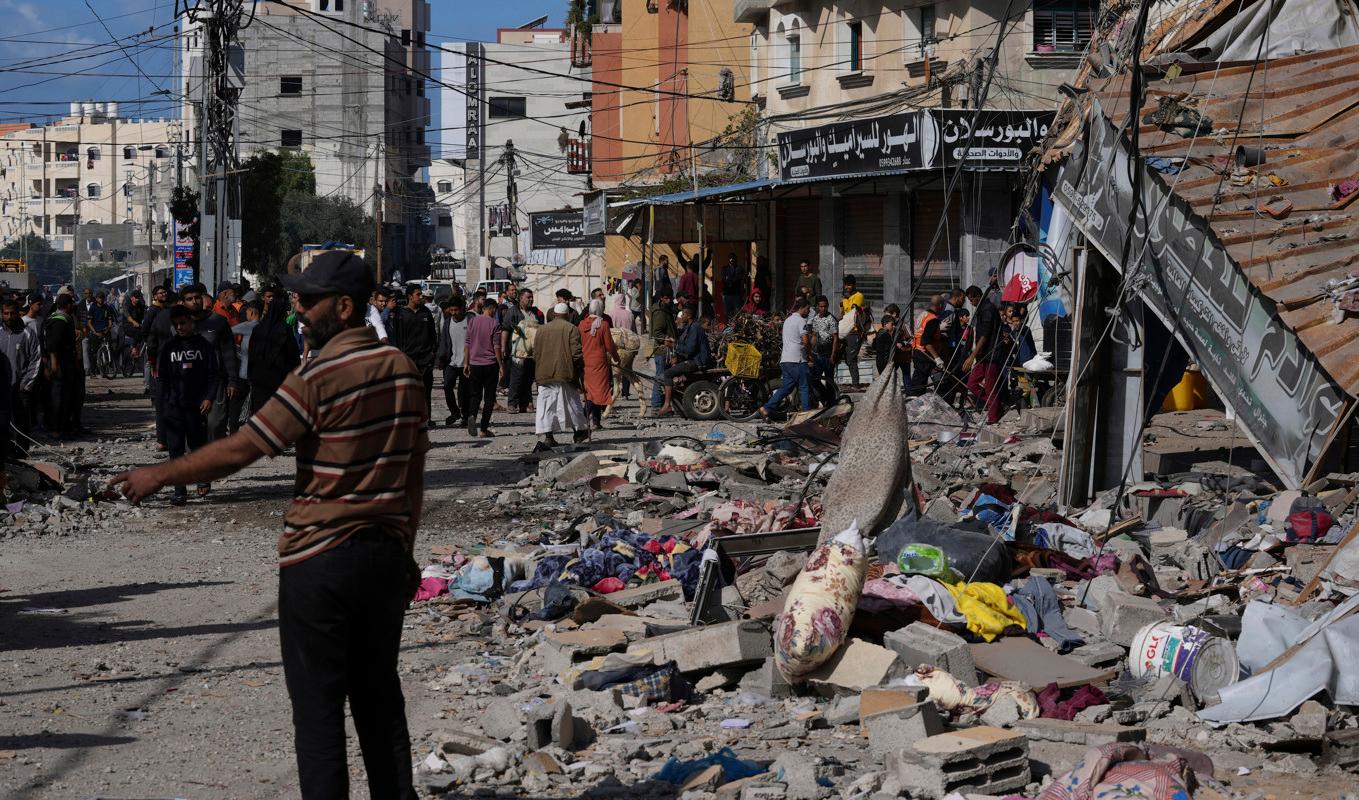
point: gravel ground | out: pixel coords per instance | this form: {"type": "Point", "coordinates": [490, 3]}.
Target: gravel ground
{"type": "Point", "coordinates": [140, 659]}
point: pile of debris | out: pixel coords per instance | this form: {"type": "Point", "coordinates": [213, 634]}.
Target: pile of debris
{"type": "Point", "coordinates": [673, 621]}
{"type": "Point", "coordinates": [62, 495]}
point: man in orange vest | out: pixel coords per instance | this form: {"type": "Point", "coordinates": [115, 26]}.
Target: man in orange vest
{"type": "Point", "coordinates": [928, 348]}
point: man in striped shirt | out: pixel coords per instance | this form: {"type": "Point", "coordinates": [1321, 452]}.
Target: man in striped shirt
{"type": "Point", "coordinates": [356, 413]}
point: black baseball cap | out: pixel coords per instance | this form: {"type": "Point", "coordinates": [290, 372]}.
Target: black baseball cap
{"type": "Point", "coordinates": [334, 272]}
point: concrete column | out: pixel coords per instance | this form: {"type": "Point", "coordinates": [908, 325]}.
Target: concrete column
{"type": "Point", "coordinates": [832, 263]}
{"type": "Point", "coordinates": [896, 257]}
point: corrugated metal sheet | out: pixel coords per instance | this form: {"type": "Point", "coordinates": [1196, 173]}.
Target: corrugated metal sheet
{"type": "Point", "coordinates": [1303, 113]}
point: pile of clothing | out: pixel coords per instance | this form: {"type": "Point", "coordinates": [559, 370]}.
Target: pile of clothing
{"type": "Point", "coordinates": [621, 559]}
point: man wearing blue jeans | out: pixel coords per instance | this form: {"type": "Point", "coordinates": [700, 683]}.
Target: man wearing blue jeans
{"type": "Point", "coordinates": [793, 359]}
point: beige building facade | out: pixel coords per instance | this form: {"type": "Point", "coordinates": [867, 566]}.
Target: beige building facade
{"type": "Point", "coordinates": [92, 168]}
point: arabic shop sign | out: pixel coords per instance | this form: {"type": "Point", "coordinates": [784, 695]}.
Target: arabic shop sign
{"type": "Point", "coordinates": [916, 140]}
{"type": "Point", "coordinates": [846, 148]}
{"type": "Point", "coordinates": [1284, 400]}
{"type": "Point", "coordinates": [1000, 140]}
{"type": "Point", "coordinates": [552, 230]}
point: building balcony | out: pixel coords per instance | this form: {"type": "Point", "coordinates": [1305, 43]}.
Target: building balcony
{"type": "Point", "coordinates": [63, 166]}
{"type": "Point", "coordinates": [578, 161]}
{"type": "Point", "coordinates": [755, 11]}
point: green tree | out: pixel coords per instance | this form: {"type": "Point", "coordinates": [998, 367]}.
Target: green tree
{"type": "Point", "coordinates": [269, 180]}
{"type": "Point", "coordinates": [47, 265]}
{"type": "Point", "coordinates": [315, 220]}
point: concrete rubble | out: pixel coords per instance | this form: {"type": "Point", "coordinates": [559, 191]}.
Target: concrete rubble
{"type": "Point", "coordinates": [584, 672]}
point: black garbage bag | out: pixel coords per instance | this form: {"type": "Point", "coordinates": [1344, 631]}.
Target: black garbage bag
{"type": "Point", "coordinates": [973, 552]}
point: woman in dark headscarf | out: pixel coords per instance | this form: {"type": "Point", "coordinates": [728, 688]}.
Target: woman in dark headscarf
{"type": "Point", "coordinates": [273, 349]}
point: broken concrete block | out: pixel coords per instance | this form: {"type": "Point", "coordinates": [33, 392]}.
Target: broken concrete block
{"type": "Point", "coordinates": [1002, 713]}
{"type": "Point", "coordinates": [843, 710]}
{"type": "Point", "coordinates": [542, 763]}
{"type": "Point", "coordinates": [766, 680]}
{"type": "Point", "coordinates": [606, 704]}
{"type": "Point", "coordinates": [501, 718]}
{"type": "Point", "coordinates": [704, 648]}
{"type": "Point", "coordinates": [877, 701]}
{"type": "Point", "coordinates": [801, 774]}
{"type": "Point", "coordinates": [856, 666]}
{"type": "Point", "coordinates": [562, 650]}
{"type": "Point", "coordinates": [705, 780]}
{"type": "Point", "coordinates": [1082, 733]}
{"type": "Point", "coordinates": [1310, 720]}
{"type": "Point", "coordinates": [1082, 619]}
{"type": "Point", "coordinates": [639, 596]}
{"type": "Point", "coordinates": [550, 724]}
{"type": "Point", "coordinates": [918, 644]}
{"type": "Point", "coordinates": [1098, 654]}
{"type": "Point", "coordinates": [1122, 615]}
{"type": "Point", "coordinates": [892, 730]}
{"type": "Point", "coordinates": [764, 791]}
{"type": "Point", "coordinates": [582, 467]}
{"type": "Point", "coordinates": [982, 760]}
{"type": "Point", "coordinates": [1090, 594]}
{"type": "Point", "coordinates": [464, 743]}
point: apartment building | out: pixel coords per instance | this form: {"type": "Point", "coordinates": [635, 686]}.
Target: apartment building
{"type": "Point", "coordinates": [527, 99]}
{"type": "Point", "coordinates": [345, 82]}
{"type": "Point", "coordinates": [92, 183]}
{"type": "Point", "coordinates": [671, 78]}
{"type": "Point", "coordinates": [869, 107]}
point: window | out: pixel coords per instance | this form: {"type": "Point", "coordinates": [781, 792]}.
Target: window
{"type": "Point", "coordinates": [445, 222]}
{"type": "Point", "coordinates": [1063, 26]}
{"type": "Point", "coordinates": [794, 58]}
{"type": "Point", "coordinates": [92, 191]}
{"type": "Point", "coordinates": [162, 151]}
{"type": "Point", "coordinates": [405, 37]}
{"type": "Point", "coordinates": [129, 153]}
{"type": "Point", "coordinates": [292, 138]}
{"type": "Point", "coordinates": [920, 36]}
{"type": "Point", "coordinates": [855, 35]}
{"type": "Point", "coordinates": [330, 6]}
{"type": "Point", "coordinates": [508, 107]}
{"type": "Point", "coordinates": [93, 153]}
{"type": "Point", "coordinates": [290, 85]}
{"type": "Point", "coordinates": [445, 186]}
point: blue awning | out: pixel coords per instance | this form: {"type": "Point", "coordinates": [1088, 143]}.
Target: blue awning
{"type": "Point", "coordinates": [702, 194]}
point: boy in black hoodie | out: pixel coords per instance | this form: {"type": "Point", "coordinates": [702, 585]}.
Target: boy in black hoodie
{"type": "Point", "coordinates": [189, 377]}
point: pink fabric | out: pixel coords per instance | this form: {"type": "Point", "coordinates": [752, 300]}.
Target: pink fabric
{"type": "Point", "coordinates": [882, 595]}
{"type": "Point", "coordinates": [621, 316]}
{"type": "Point", "coordinates": [431, 588]}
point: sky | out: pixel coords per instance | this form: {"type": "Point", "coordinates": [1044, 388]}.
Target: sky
{"type": "Point", "coordinates": [76, 35]}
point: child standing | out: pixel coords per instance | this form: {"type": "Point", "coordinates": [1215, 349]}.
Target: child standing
{"type": "Point", "coordinates": [189, 376]}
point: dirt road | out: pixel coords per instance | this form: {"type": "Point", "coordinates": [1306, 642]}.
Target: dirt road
{"type": "Point", "coordinates": [142, 660]}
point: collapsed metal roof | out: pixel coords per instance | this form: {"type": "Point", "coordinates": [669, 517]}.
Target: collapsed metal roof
{"type": "Point", "coordinates": [1256, 161]}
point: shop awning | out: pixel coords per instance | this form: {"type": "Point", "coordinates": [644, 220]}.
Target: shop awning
{"type": "Point", "coordinates": [119, 279]}
{"type": "Point", "coordinates": [701, 194]}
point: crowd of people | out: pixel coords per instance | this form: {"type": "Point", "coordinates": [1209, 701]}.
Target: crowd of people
{"type": "Point", "coordinates": [211, 361]}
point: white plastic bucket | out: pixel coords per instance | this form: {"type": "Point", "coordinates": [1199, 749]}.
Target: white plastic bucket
{"type": "Point", "coordinates": [1204, 661]}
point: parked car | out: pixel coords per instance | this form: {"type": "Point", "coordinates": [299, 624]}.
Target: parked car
{"type": "Point", "coordinates": [494, 289]}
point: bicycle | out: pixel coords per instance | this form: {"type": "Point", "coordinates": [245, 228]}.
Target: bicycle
{"type": "Point", "coordinates": [108, 361]}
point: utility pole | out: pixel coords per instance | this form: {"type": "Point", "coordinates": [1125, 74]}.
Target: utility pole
{"type": "Point", "coordinates": [512, 200]}
{"type": "Point", "coordinates": [221, 22]}
{"type": "Point", "coordinates": [146, 217]}
{"type": "Point", "coordinates": [379, 204]}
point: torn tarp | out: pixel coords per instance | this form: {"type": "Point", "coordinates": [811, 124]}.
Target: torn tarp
{"type": "Point", "coordinates": [1326, 658]}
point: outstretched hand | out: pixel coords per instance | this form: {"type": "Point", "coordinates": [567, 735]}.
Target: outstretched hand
{"type": "Point", "coordinates": [138, 484]}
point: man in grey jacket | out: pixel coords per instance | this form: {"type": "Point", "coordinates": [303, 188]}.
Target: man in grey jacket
{"type": "Point", "coordinates": [19, 346]}
{"type": "Point", "coordinates": [449, 356]}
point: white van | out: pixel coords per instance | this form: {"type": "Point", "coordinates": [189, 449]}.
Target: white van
{"type": "Point", "coordinates": [493, 289]}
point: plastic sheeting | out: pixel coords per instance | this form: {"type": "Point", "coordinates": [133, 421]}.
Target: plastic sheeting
{"type": "Point", "coordinates": [1289, 27]}
{"type": "Point", "coordinates": [1327, 659]}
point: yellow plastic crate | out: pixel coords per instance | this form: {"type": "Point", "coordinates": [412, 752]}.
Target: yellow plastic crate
{"type": "Point", "coordinates": [743, 360]}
